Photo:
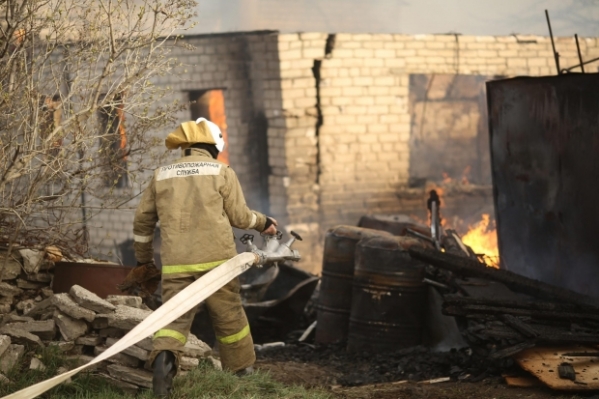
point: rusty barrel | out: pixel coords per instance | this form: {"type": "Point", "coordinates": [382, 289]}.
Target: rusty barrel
{"type": "Point", "coordinates": [334, 300]}
{"type": "Point", "coordinates": [388, 296]}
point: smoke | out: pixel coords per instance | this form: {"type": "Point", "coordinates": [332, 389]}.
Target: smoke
{"type": "Point", "coordinates": [469, 17]}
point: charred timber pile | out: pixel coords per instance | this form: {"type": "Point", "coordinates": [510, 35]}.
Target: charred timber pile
{"type": "Point", "coordinates": [526, 314]}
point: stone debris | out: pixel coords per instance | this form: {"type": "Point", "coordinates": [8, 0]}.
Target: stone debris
{"type": "Point", "coordinates": [13, 318]}
{"type": "Point", "coordinates": [41, 309]}
{"type": "Point", "coordinates": [188, 363]}
{"type": "Point", "coordinates": [9, 290]}
{"type": "Point", "coordinates": [36, 364]}
{"type": "Point", "coordinates": [46, 329]}
{"type": "Point", "coordinates": [215, 363]}
{"type": "Point", "coordinates": [127, 300]}
{"type": "Point", "coordinates": [120, 358]}
{"type": "Point", "coordinates": [10, 357]}
{"type": "Point", "coordinates": [26, 305]}
{"type": "Point", "coordinates": [63, 346]}
{"type": "Point", "coordinates": [89, 300]}
{"type": "Point", "coordinates": [195, 347]}
{"type": "Point", "coordinates": [17, 334]}
{"type": "Point", "coordinates": [138, 377]}
{"type": "Point", "coordinates": [40, 278]}
{"type": "Point", "coordinates": [4, 379]}
{"type": "Point", "coordinates": [92, 340]}
{"type": "Point", "coordinates": [67, 305]}
{"type": "Point", "coordinates": [134, 351]}
{"type": "Point", "coordinates": [111, 332]}
{"type": "Point", "coordinates": [126, 317]}
{"type": "Point", "coordinates": [32, 260]}
{"type": "Point", "coordinates": [70, 328]}
{"type": "Point", "coordinates": [100, 323]}
{"type": "Point", "coordinates": [4, 343]}
{"type": "Point", "coordinates": [28, 285]}
{"type": "Point", "coordinates": [79, 323]}
{"type": "Point", "coordinates": [10, 267]}
{"type": "Point", "coordinates": [145, 343]}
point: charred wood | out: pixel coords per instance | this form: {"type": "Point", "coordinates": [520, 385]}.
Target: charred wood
{"type": "Point", "coordinates": [472, 268]}
{"type": "Point", "coordinates": [454, 305]}
{"type": "Point", "coordinates": [511, 350]}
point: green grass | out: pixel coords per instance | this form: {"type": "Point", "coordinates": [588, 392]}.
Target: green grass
{"type": "Point", "coordinates": [203, 382]}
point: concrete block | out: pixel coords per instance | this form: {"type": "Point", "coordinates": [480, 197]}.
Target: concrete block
{"type": "Point", "coordinates": [26, 305]}
{"type": "Point", "coordinates": [46, 329]}
{"type": "Point", "coordinates": [188, 363]}
{"type": "Point", "coordinates": [20, 336]}
{"type": "Point", "coordinates": [9, 290]}
{"type": "Point", "coordinates": [4, 343]}
{"type": "Point", "coordinates": [126, 317]}
{"type": "Point", "coordinates": [11, 357]}
{"type": "Point", "coordinates": [89, 300]}
{"type": "Point", "coordinates": [70, 328]}
{"type": "Point", "coordinates": [63, 346]}
{"type": "Point", "coordinates": [194, 347]}
{"type": "Point", "coordinates": [10, 268]}
{"type": "Point", "coordinates": [140, 378]}
{"type": "Point", "coordinates": [36, 364]}
{"type": "Point", "coordinates": [119, 358]}
{"type": "Point", "coordinates": [66, 305]}
{"type": "Point", "coordinates": [90, 340]}
{"type": "Point", "coordinates": [133, 351]}
{"type": "Point", "coordinates": [45, 278]}
{"type": "Point", "coordinates": [32, 259]}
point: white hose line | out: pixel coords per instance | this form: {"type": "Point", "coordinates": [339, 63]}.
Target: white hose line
{"type": "Point", "coordinates": [178, 305]}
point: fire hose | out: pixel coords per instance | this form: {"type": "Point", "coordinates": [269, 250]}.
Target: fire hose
{"type": "Point", "coordinates": [181, 303]}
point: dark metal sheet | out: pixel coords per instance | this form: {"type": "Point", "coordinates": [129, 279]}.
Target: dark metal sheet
{"type": "Point", "coordinates": [545, 163]}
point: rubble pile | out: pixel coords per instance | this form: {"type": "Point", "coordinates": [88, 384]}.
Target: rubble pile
{"type": "Point", "coordinates": [82, 325]}
{"type": "Point", "coordinates": [25, 278]}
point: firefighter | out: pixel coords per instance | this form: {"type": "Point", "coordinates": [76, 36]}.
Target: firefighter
{"type": "Point", "coordinates": [197, 200]}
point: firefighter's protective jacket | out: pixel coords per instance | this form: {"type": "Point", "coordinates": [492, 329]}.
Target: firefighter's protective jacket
{"type": "Point", "coordinates": [196, 199]}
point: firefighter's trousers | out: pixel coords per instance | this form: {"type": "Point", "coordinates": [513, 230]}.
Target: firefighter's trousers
{"type": "Point", "coordinates": [229, 321]}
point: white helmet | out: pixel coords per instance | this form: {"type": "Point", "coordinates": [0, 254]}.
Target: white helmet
{"type": "Point", "coordinates": [216, 134]}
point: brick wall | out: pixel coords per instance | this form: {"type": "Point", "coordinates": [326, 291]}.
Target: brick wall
{"type": "Point", "coordinates": [356, 161]}
{"type": "Point", "coordinates": [243, 65]}
{"type": "Point", "coordinates": [332, 116]}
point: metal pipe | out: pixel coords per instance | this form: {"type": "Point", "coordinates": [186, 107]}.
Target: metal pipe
{"type": "Point", "coordinates": [579, 54]}
{"type": "Point", "coordinates": [555, 53]}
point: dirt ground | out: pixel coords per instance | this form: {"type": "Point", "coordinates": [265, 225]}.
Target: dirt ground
{"type": "Point", "coordinates": [312, 375]}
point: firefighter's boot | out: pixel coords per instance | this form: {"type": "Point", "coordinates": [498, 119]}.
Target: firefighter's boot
{"type": "Point", "coordinates": [164, 372]}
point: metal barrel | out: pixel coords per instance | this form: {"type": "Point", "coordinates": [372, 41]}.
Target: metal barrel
{"type": "Point", "coordinates": [388, 296]}
{"type": "Point", "coordinates": [334, 300]}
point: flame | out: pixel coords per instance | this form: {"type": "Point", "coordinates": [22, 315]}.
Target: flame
{"type": "Point", "coordinates": [482, 238]}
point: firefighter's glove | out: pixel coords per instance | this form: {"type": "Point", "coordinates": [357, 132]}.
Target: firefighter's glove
{"type": "Point", "coordinates": [144, 278]}
{"type": "Point", "coordinates": [270, 228]}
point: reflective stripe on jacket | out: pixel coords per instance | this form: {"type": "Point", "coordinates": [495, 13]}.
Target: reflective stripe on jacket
{"type": "Point", "coordinates": [197, 200]}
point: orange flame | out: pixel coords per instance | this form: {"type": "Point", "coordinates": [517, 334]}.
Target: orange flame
{"type": "Point", "coordinates": [482, 238]}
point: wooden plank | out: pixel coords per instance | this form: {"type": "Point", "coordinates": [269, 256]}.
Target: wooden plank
{"type": "Point", "coordinates": [543, 363]}
{"type": "Point", "coordinates": [468, 267]}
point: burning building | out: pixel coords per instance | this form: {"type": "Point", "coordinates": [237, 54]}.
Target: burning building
{"type": "Point", "coordinates": [326, 128]}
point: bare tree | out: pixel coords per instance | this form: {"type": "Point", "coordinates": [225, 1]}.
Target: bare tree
{"type": "Point", "coordinates": [78, 109]}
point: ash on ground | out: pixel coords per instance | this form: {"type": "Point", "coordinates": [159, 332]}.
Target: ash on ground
{"type": "Point", "coordinates": [414, 364]}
